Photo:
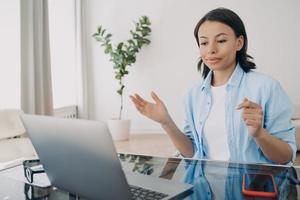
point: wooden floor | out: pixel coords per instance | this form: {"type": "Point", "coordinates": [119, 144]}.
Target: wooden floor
{"type": "Point", "coordinates": [147, 144]}
{"type": "Point", "coordinates": [155, 144]}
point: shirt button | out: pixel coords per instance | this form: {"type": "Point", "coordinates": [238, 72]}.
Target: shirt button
{"type": "Point", "coordinates": [208, 103]}
{"type": "Point", "coordinates": [200, 122]}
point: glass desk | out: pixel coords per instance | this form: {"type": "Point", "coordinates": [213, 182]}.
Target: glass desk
{"type": "Point", "coordinates": [211, 179]}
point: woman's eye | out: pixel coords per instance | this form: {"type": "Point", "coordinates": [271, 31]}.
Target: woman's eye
{"type": "Point", "coordinates": [222, 41]}
{"type": "Point", "coordinates": [203, 43]}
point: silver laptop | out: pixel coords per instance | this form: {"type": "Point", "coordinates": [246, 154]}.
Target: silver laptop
{"type": "Point", "coordinates": [79, 157]}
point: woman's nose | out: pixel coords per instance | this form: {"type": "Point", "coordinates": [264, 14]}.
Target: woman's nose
{"type": "Point", "coordinates": [212, 49]}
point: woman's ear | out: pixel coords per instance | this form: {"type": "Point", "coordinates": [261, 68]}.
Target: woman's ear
{"type": "Point", "coordinates": [240, 43]}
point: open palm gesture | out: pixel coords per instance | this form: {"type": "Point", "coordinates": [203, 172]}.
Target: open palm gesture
{"type": "Point", "coordinates": [156, 111]}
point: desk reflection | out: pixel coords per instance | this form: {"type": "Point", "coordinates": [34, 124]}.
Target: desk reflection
{"type": "Point", "coordinates": [220, 180]}
{"type": "Point", "coordinates": [211, 179]}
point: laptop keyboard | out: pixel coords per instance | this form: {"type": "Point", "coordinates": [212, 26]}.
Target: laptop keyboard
{"type": "Point", "coordinates": [144, 194]}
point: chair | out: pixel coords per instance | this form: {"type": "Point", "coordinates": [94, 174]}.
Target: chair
{"type": "Point", "coordinates": [14, 143]}
{"type": "Point", "coordinates": [296, 123]}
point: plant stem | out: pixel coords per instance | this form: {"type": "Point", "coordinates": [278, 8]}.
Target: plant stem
{"type": "Point", "coordinates": [121, 108]}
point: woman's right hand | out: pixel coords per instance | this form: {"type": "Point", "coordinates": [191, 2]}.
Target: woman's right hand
{"type": "Point", "coordinates": [156, 111]}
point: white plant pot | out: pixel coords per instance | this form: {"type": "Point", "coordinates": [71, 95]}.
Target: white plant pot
{"type": "Point", "coordinates": [119, 129]}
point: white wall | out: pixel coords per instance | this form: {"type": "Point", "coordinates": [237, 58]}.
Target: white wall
{"type": "Point", "coordinates": [168, 65]}
{"type": "Point", "coordinates": [10, 54]}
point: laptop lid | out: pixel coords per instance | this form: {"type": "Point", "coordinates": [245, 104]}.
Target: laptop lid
{"type": "Point", "coordinates": [79, 156]}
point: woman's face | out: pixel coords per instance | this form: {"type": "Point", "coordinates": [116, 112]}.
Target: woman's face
{"type": "Point", "coordinates": [218, 45]}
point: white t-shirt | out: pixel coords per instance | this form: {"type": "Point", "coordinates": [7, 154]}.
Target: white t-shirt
{"type": "Point", "coordinates": [214, 128]}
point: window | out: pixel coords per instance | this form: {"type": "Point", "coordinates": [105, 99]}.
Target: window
{"type": "Point", "coordinates": [62, 49]}
{"type": "Point", "coordinates": [10, 54]}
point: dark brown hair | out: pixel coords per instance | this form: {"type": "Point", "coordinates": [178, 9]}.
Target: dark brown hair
{"type": "Point", "coordinates": [231, 19]}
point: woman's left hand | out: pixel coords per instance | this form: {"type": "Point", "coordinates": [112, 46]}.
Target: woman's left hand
{"type": "Point", "coordinates": [252, 115]}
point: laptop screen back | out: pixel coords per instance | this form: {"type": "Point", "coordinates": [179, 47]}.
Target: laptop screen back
{"type": "Point", "coordinates": [78, 156]}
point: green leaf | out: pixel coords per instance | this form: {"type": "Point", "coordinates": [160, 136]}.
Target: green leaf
{"type": "Point", "coordinates": [98, 39]}
{"type": "Point", "coordinates": [108, 36]}
{"type": "Point", "coordinates": [146, 41]}
{"type": "Point", "coordinates": [103, 31]}
{"type": "Point", "coordinates": [95, 34]}
{"type": "Point", "coordinates": [116, 66]}
{"type": "Point", "coordinates": [99, 29]}
{"type": "Point", "coordinates": [120, 45]}
{"type": "Point", "coordinates": [120, 92]}
{"type": "Point", "coordinates": [108, 49]}
{"type": "Point", "coordinates": [147, 29]}
{"type": "Point", "coordinates": [146, 20]}
{"type": "Point", "coordinates": [118, 76]}
{"type": "Point", "coordinates": [131, 59]}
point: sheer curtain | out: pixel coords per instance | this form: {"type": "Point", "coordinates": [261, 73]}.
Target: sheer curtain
{"type": "Point", "coordinates": [80, 54]}
{"type": "Point", "coordinates": [36, 88]}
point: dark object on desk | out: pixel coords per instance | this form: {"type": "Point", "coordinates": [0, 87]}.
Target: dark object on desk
{"type": "Point", "coordinates": [32, 167]}
{"type": "Point", "coordinates": [258, 184]}
{"type": "Point", "coordinates": [79, 157]}
{"type": "Point", "coordinates": [34, 192]}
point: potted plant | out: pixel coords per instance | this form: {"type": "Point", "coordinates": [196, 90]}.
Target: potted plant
{"type": "Point", "coordinates": [123, 55]}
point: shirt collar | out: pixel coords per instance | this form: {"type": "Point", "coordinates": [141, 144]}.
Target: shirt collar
{"type": "Point", "coordinates": [207, 81]}
{"type": "Point", "coordinates": [236, 76]}
{"type": "Point", "coordinates": [234, 80]}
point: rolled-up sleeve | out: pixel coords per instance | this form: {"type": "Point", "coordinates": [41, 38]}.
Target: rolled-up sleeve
{"type": "Point", "coordinates": [187, 122]}
{"type": "Point", "coordinates": [278, 115]}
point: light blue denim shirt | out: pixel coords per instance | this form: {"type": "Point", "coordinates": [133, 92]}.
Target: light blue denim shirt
{"type": "Point", "coordinates": [257, 87]}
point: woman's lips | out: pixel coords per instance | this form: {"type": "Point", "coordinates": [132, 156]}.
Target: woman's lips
{"type": "Point", "coordinates": [213, 60]}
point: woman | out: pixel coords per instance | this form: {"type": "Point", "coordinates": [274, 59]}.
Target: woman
{"type": "Point", "coordinates": [234, 114]}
